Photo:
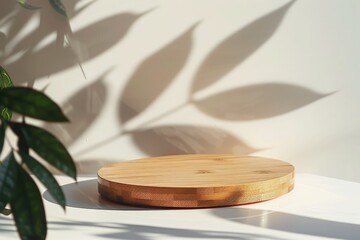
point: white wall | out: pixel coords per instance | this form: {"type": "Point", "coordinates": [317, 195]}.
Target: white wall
{"type": "Point", "coordinates": [267, 77]}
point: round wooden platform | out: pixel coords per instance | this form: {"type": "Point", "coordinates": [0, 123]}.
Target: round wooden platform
{"type": "Point", "coordinates": [195, 181]}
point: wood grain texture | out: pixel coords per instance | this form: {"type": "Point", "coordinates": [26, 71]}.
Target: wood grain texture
{"type": "Point", "coordinates": [195, 181]}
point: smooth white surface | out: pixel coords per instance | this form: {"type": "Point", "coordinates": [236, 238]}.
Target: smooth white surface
{"type": "Point", "coordinates": [285, 77]}
{"type": "Point", "coordinates": [318, 208]}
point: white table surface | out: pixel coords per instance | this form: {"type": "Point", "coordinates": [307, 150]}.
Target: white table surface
{"type": "Point", "coordinates": [318, 208]}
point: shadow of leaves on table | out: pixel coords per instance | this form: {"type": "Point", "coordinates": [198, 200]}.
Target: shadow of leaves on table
{"type": "Point", "coordinates": [143, 232]}
{"type": "Point", "coordinates": [84, 194]}
{"type": "Point", "coordinates": [288, 222]}
{"type": "Point", "coordinates": [116, 230]}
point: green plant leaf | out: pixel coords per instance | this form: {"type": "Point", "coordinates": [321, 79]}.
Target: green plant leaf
{"type": "Point", "coordinates": [6, 212]}
{"type": "Point", "coordinates": [32, 103]}
{"type": "Point", "coordinates": [47, 146]}
{"type": "Point", "coordinates": [5, 82]}
{"type": "Point", "coordinates": [2, 136]}
{"type": "Point", "coordinates": [27, 207]}
{"type": "Point", "coordinates": [26, 5]}
{"type": "Point", "coordinates": [45, 177]}
{"type": "Point", "coordinates": [5, 113]}
{"type": "Point", "coordinates": [21, 143]}
{"type": "Point", "coordinates": [8, 178]}
{"type": "Point", "coordinates": [58, 7]}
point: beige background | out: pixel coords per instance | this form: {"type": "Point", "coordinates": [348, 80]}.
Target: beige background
{"type": "Point", "coordinates": [148, 78]}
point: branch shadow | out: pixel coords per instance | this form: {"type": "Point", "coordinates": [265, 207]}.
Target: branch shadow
{"type": "Point", "coordinates": [289, 222]}
{"type": "Point", "coordinates": [237, 48]}
{"type": "Point", "coordinates": [154, 75]}
{"type": "Point", "coordinates": [188, 139]}
{"type": "Point", "coordinates": [71, 9]}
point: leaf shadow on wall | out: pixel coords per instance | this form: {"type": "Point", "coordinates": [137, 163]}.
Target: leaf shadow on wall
{"type": "Point", "coordinates": [34, 61]}
{"type": "Point", "coordinates": [188, 139]}
{"type": "Point", "coordinates": [287, 222]}
{"type": "Point", "coordinates": [3, 39]}
{"type": "Point", "coordinates": [154, 75]}
{"type": "Point", "coordinates": [257, 101]}
{"type": "Point", "coordinates": [80, 46]}
{"type": "Point", "coordinates": [71, 9]}
{"type": "Point", "coordinates": [236, 48]}
{"type": "Point", "coordinates": [82, 109]}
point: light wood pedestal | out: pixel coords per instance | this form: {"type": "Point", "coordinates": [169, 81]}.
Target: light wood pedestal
{"type": "Point", "coordinates": [195, 181]}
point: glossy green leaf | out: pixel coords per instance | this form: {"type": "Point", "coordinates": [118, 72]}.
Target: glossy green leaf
{"type": "Point", "coordinates": [26, 5]}
{"type": "Point", "coordinates": [8, 178]}
{"type": "Point", "coordinates": [5, 113]}
{"type": "Point", "coordinates": [28, 209]}
{"type": "Point", "coordinates": [21, 143]}
{"type": "Point", "coordinates": [58, 7]}
{"type": "Point", "coordinates": [5, 82]}
{"type": "Point", "coordinates": [6, 212]}
{"type": "Point", "coordinates": [32, 103]}
{"type": "Point", "coordinates": [47, 146]}
{"type": "Point", "coordinates": [45, 177]}
{"type": "Point", "coordinates": [2, 136]}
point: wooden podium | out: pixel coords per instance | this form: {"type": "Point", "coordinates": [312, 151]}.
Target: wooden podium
{"type": "Point", "coordinates": [195, 181]}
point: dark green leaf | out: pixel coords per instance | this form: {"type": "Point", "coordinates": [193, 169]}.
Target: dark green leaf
{"type": "Point", "coordinates": [58, 7]}
{"type": "Point", "coordinates": [31, 103]}
{"type": "Point", "coordinates": [28, 209]}
{"type": "Point", "coordinates": [8, 177]}
{"type": "Point", "coordinates": [5, 113]}
{"type": "Point", "coordinates": [22, 144]}
{"type": "Point", "coordinates": [47, 146]}
{"type": "Point", "coordinates": [6, 212]}
{"type": "Point", "coordinates": [24, 4]}
{"type": "Point", "coordinates": [45, 177]}
{"type": "Point", "coordinates": [2, 136]}
{"type": "Point", "coordinates": [5, 82]}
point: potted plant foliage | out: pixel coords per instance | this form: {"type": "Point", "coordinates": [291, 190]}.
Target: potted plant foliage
{"type": "Point", "coordinates": [19, 194]}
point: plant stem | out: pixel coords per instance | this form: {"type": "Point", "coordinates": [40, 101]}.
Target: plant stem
{"type": "Point", "coordinates": [165, 114]}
